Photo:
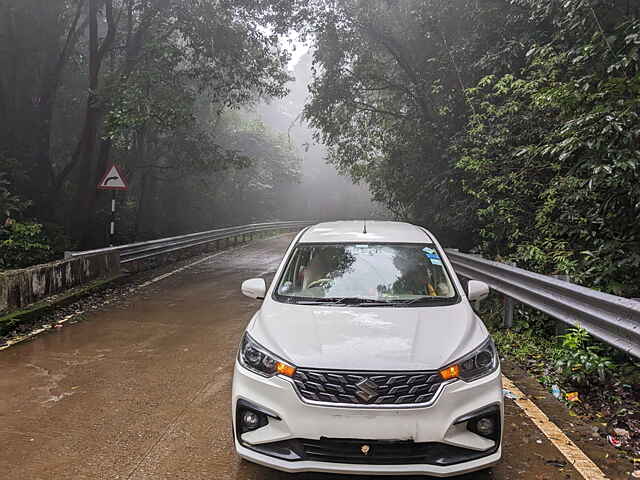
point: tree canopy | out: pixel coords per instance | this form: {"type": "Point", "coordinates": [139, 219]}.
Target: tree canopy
{"type": "Point", "coordinates": [148, 85]}
{"type": "Point", "coordinates": [506, 126]}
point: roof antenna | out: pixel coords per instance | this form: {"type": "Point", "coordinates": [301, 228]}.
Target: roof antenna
{"type": "Point", "coordinates": [364, 228]}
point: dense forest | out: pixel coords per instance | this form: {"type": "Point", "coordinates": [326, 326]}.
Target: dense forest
{"type": "Point", "coordinates": [506, 126]}
{"type": "Point", "coordinates": [147, 85]}
{"type": "Point", "coordinates": [510, 127]}
{"type": "Point", "coordinates": [171, 91]}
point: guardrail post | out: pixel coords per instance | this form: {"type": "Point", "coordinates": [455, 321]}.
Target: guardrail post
{"type": "Point", "coordinates": [507, 315]}
{"type": "Point", "coordinates": [509, 306]}
{"type": "Point", "coordinates": [561, 327]}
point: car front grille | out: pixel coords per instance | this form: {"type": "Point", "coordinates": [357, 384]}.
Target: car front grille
{"type": "Point", "coordinates": [376, 453]}
{"type": "Point", "coordinates": [370, 452]}
{"type": "Point", "coordinates": [367, 388]}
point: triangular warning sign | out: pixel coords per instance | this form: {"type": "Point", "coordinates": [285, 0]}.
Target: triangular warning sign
{"type": "Point", "coordinates": [113, 180]}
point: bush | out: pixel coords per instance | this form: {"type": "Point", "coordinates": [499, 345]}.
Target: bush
{"type": "Point", "coordinates": [23, 245]}
{"type": "Point", "coordinates": [573, 360]}
{"type": "Point", "coordinates": [580, 361]}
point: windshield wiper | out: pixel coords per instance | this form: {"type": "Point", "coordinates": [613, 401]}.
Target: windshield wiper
{"type": "Point", "coordinates": [312, 302]}
{"type": "Point", "coordinates": [425, 299]}
{"type": "Point", "coordinates": [352, 301]}
{"type": "Point", "coordinates": [366, 302]}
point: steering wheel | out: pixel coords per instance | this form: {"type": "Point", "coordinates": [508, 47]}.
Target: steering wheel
{"type": "Point", "coordinates": [319, 282]}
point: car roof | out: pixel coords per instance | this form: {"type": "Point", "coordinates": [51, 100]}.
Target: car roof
{"type": "Point", "coordinates": [347, 231]}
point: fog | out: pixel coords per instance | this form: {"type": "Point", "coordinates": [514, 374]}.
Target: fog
{"type": "Point", "coordinates": [321, 193]}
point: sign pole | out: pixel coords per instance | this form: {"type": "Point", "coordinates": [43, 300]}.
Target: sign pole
{"type": "Point", "coordinates": [112, 180]}
{"type": "Point", "coordinates": [112, 227]}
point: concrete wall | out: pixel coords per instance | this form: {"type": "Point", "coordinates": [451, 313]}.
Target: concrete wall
{"type": "Point", "coordinates": [19, 288]}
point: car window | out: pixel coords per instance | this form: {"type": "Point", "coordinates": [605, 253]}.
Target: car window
{"type": "Point", "coordinates": [383, 272]}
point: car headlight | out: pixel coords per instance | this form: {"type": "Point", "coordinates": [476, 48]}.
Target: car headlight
{"type": "Point", "coordinates": [479, 363]}
{"type": "Point", "coordinates": [258, 359]}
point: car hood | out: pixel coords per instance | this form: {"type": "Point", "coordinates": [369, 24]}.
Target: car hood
{"type": "Point", "coordinates": [368, 338]}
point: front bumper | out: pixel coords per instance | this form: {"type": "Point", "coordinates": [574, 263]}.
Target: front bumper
{"type": "Point", "coordinates": [293, 421]}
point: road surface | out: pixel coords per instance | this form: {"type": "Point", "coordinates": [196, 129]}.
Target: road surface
{"type": "Point", "coordinates": [141, 388]}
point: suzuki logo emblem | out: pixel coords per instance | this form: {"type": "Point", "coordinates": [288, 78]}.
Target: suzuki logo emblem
{"type": "Point", "coordinates": [367, 390]}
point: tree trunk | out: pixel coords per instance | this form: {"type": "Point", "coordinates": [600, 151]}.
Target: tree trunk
{"type": "Point", "coordinates": [141, 202]}
{"type": "Point", "coordinates": [47, 99]}
{"type": "Point", "coordinates": [87, 144]}
{"type": "Point", "coordinates": [85, 156]}
{"type": "Point", "coordinates": [96, 236]}
{"type": "Point", "coordinates": [86, 196]}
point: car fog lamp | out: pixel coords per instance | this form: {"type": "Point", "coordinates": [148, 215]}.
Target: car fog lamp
{"type": "Point", "coordinates": [250, 420]}
{"type": "Point", "coordinates": [485, 426]}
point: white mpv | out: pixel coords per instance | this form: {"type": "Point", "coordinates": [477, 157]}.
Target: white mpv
{"type": "Point", "coordinates": [367, 358]}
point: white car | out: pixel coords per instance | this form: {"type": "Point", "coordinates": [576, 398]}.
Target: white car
{"type": "Point", "coordinates": [367, 358]}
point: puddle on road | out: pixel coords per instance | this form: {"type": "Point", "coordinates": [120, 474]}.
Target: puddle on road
{"type": "Point", "coordinates": [51, 386]}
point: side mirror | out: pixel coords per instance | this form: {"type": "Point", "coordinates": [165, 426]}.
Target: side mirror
{"type": "Point", "coordinates": [254, 288]}
{"type": "Point", "coordinates": [477, 290]}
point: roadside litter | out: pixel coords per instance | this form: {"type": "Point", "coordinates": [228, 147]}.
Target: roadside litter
{"type": "Point", "coordinates": [572, 397]}
{"type": "Point", "coordinates": [509, 394]}
{"type": "Point", "coordinates": [614, 441]}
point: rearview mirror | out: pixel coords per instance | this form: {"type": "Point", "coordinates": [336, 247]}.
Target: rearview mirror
{"type": "Point", "coordinates": [477, 290]}
{"type": "Point", "coordinates": [254, 288]}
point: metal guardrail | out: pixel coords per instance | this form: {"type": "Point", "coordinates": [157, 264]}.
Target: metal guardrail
{"type": "Point", "coordinates": [142, 250]}
{"type": "Point", "coordinates": [614, 320]}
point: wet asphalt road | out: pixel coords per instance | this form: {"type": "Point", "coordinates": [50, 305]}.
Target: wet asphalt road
{"type": "Point", "coordinates": [141, 389]}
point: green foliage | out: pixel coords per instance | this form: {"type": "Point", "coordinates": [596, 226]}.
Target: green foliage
{"type": "Point", "coordinates": [574, 360]}
{"type": "Point", "coordinates": [22, 245]}
{"type": "Point", "coordinates": [551, 154]}
{"type": "Point", "coordinates": [10, 204]}
{"type": "Point", "coordinates": [577, 362]}
{"type": "Point", "coordinates": [270, 164]}
{"type": "Point", "coordinates": [388, 98]}
{"type": "Point", "coordinates": [162, 75]}
{"type": "Point", "coordinates": [511, 127]}
{"type": "Point", "coordinates": [526, 348]}
{"type": "Point", "coordinates": [580, 361]}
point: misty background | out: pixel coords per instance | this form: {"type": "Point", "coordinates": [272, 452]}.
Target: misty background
{"type": "Point", "coordinates": [199, 104]}
{"type": "Point", "coordinates": [321, 193]}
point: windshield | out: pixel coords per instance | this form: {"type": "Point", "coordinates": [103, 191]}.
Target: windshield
{"type": "Point", "coordinates": [365, 274]}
